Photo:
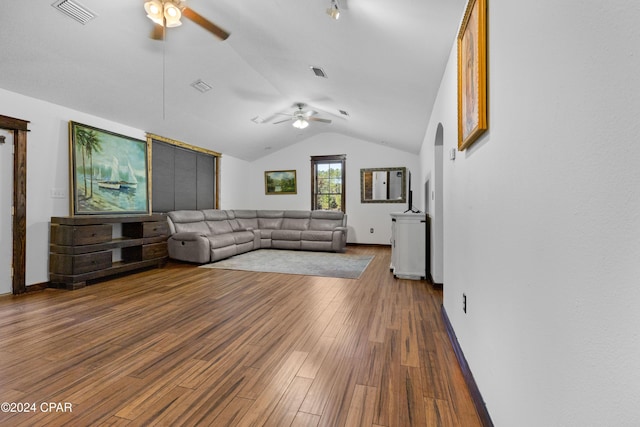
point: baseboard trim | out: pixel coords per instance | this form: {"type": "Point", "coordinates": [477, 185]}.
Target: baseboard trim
{"type": "Point", "coordinates": [37, 287]}
{"type": "Point", "coordinates": [478, 401]}
{"type": "Point", "coordinates": [367, 244]}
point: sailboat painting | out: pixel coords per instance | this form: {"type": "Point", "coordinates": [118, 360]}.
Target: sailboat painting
{"type": "Point", "coordinates": [109, 172]}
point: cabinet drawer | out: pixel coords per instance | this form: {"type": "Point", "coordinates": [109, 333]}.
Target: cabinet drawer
{"type": "Point", "coordinates": [77, 235]}
{"type": "Point", "coordinates": [152, 229]}
{"type": "Point", "coordinates": [145, 229]}
{"type": "Point", "coordinates": [78, 264]}
{"type": "Point", "coordinates": [156, 250]}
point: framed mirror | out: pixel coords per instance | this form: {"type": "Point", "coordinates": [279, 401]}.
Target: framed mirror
{"type": "Point", "coordinates": [383, 185]}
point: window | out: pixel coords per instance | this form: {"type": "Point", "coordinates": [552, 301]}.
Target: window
{"type": "Point", "coordinates": [327, 187]}
{"type": "Point", "coordinates": [183, 176]}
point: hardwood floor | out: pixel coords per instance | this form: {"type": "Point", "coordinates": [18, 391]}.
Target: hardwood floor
{"type": "Point", "coordinates": [191, 346]}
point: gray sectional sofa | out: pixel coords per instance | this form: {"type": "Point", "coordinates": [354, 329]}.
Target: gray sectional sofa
{"type": "Point", "coordinates": [203, 236]}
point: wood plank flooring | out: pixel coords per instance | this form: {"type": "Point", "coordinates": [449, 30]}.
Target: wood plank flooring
{"type": "Point", "coordinates": [205, 347]}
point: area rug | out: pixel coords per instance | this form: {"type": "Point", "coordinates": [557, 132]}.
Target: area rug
{"type": "Point", "coordinates": [327, 264]}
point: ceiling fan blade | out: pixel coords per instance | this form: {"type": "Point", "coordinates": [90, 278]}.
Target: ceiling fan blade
{"type": "Point", "coordinates": [310, 113]}
{"type": "Point", "coordinates": [205, 23]}
{"type": "Point", "coordinates": [316, 119]}
{"type": "Point", "coordinates": [282, 121]}
{"type": "Point", "coordinates": [158, 32]}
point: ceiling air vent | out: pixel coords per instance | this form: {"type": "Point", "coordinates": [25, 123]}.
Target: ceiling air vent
{"type": "Point", "coordinates": [74, 10]}
{"type": "Point", "coordinates": [319, 72]}
{"type": "Point", "coordinates": [201, 86]}
{"type": "Point", "coordinates": [344, 113]}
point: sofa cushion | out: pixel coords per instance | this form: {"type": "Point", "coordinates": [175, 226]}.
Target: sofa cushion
{"type": "Point", "coordinates": [214, 214]}
{"type": "Point", "coordinates": [197, 227]}
{"type": "Point", "coordinates": [186, 216]}
{"type": "Point", "coordinates": [317, 235]}
{"type": "Point", "coordinates": [242, 236]}
{"type": "Point", "coordinates": [285, 234]}
{"type": "Point", "coordinates": [297, 214]}
{"type": "Point", "coordinates": [295, 224]}
{"type": "Point", "coordinates": [220, 227]}
{"type": "Point", "coordinates": [270, 219]}
{"type": "Point", "coordinates": [269, 223]}
{"type": "Point", "coordinates": [324, 224]}
{"type": "Point", "coordinates": [265, 233]}
{"type": "Point", "coordinates": [323, 214]}
{"type": "Point", "coordinates": [296, 220]}
{"type": "Point", "coordinates": [293, 245]}
{"type": "Point", "coordinates": [270, 213]}
{"type": "Point", "coordinates": [221, 240]}
{"type": "Point", "coordinates": [189, 221]}
{"type": "Point", "coordinates": [246, 219]}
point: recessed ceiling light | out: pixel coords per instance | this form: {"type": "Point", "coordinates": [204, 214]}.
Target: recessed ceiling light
{"type": "Point", "coordinates": [201, 86]}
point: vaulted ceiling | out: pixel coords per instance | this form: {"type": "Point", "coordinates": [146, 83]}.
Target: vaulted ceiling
{"type": "Point", "coordinates": [383, 62]}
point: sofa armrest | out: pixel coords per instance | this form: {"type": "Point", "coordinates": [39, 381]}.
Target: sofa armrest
{"type": "Point", "coordinates": [339, 239]}
{"type": "Point", "coordinates": [188, 236]}
{"type": "Point", "coordinates": [191, 246]}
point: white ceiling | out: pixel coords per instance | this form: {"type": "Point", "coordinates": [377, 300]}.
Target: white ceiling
{"type": "Point", "coordinates": [384, 61]}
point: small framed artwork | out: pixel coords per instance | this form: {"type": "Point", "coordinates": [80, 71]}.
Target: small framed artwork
{"type": "Point", "coordinates": [472, 74]}
{"type": "Point", "coordinates": [109, 173]}
{"type": "Point", "coordinates": [280, 182]}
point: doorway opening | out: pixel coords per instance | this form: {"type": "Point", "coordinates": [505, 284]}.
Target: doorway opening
{"type": "Point", "coordinates": [18, 199]}
{"type": "Point", "coordinates": [437, 198]}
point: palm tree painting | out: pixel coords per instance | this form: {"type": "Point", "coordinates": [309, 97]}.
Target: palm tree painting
{"type": "Point", "coordinates": [88, 141]}
{"type": "Point", "coordinates": [109, 172]}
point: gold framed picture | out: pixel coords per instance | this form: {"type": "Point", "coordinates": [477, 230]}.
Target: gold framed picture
{"type": "Point", "coordinates": [280, 182]}
{"type": "Point", "coordinates": [472, 74]}
{"type": "Point", "coordinates": [109, 172]}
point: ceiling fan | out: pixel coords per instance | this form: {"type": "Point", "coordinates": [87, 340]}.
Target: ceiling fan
{"type": "Point", "coordinates": [167, 14]}
{"type": "Point", "coordinates": [301, 118]}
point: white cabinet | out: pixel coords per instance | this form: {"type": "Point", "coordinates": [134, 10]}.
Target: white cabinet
{"type": "Point", "coordinates": [408, 245]}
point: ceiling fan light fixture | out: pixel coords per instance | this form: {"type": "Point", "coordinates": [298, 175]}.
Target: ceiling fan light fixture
{"type": "Point", "coordinates": [172, 14]}
{"type": "Point", "coordinates": [154, 11]}
{"type": "Point", "coordinates": [333, 10]}
{"type": "Point", "coordinates": [300, 123]}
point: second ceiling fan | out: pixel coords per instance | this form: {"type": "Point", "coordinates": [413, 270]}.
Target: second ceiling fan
{"type": "Point", "coordinates": [302, 118]}
{"type": "Point", "coordinates": [167, 14]}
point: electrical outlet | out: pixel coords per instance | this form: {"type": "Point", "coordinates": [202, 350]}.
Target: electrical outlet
{"type": "Point", "coordinates": [464, 303]}
{"type": "Point", "coordinates": [371, 230]}
{"type": "Point", "coordinates": [58, 193]}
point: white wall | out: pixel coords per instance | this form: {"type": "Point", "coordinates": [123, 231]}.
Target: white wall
{"type": "Point", "coordinates": [48, 168]}
{"type": "Point", "coordinates": [360, 154]}
{"type": "Point", "coordinates": [242, 182]}
{"type": "Point", "coordinates": [542, 216]}
{"type": "Point", "coordinates": [233, 174]}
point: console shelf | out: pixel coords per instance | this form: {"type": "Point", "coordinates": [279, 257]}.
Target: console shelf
{"type": "Point", "coordinates": [81, 248]}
